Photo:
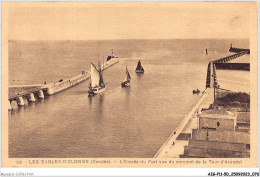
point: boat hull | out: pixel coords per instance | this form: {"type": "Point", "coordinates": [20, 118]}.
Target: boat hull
{"type": "Point", "coordinates": [139, 71]}
{"type": "Point", "coordinates": [97, 91]}
{"type": "Point", "coordinates": [196, 91]}
{"type": "Point", "coordinates": [125, 84]}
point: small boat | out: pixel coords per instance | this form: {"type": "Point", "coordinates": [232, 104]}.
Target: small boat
{"type": "Point", "coordinates": [139, 68]}
{"type": "Point", "coordinates": [196, 91]}
{"type": "Point", "coordinates": [206, 51]}
{"type": "Point", "coordinates": [96, 82]}
{"type": "Point", "coordinates": [127, 79]}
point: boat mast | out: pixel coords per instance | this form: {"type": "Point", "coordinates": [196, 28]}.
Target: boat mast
{"type": "Point", "coordinates": [90, 85]}
{"type": "Point", "coordinates": [126, 72]}
{"type": "Point", "coordinates": [103, 63]}
{"type": "Point", "coordinates": [139, 65]}
{"type": "Point", "coordinates": [99, 63]}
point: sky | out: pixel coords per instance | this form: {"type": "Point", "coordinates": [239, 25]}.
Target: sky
{"type": "Point", "coordinates": [124, 20]}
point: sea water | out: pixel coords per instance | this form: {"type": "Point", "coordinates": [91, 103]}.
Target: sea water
{"type": "Point", "coordinates": [122, 122]}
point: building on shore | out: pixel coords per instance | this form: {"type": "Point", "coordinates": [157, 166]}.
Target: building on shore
{"type": "Point", "coordinates": [220, 134]}
{"type": "Point", "coordinates": [217, 119]}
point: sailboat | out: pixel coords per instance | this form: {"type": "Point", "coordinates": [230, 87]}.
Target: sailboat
{"type": "Point", "coordinates": [139, 68]}
{"type": "Point", "coordinates": [127, 79]}
{"type": "Point", "coordinates": [96, 82]}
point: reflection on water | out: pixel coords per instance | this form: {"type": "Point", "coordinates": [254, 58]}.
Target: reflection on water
{"type": "Point", "coordinates": [90, 99]}
{"type": "Point", "coordinates": [100, 103]}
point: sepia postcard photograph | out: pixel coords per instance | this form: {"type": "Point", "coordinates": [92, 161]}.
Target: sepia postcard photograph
{"type": "Point", "coordinates": [129, 84]}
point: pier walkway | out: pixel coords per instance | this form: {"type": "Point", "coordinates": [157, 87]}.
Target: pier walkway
{"type": "Point", "coordinates": [228, 63]}
{"type": "Point", "coordinates": [31, 89]}
{"type": "Point", "coordinates": [229, 58]}
{"type": "Point", "coordinates": [223, 63]}
{"type": "Point", "coordinates": [18, 86]}
{"type": "Point", "coordinates": [174, 145]}
{"type": "Point", "coordinates": [237, 50]}
{"type": "Point", "coordinates": [40, 91]}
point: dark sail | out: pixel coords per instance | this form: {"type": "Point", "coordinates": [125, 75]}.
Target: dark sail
{"type": "Point", "coordinates": [101, 81]}
{"type": "Point", "coordinates": [139, 66]}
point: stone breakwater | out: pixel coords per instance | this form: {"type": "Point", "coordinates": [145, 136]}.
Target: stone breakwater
{"type": "Point", "coordinates": [60, 86]}
{"type": "Point", "coordinates": [173, 147]}
{"type": "Point", "coordinates": [20, 96]}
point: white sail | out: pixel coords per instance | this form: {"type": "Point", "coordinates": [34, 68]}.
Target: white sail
{"type": "Point", "coordinates": [94, 76]}
{"type": "Point", "coordinates": [127, 76]}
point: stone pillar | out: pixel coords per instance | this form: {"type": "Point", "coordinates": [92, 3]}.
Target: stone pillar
{"type": "Point", "coordinates": [50, 91]}
{"type": "Point", "coordinates": [41, 95]}
{"type": "Point", "coordinates": [20, 101]}
{"type": "Point", "coordinates": [26, 102]}
{"type": "Point", "coordinates": [32, 98]}
{"type": "Point", "coordinates": [14, 104]}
